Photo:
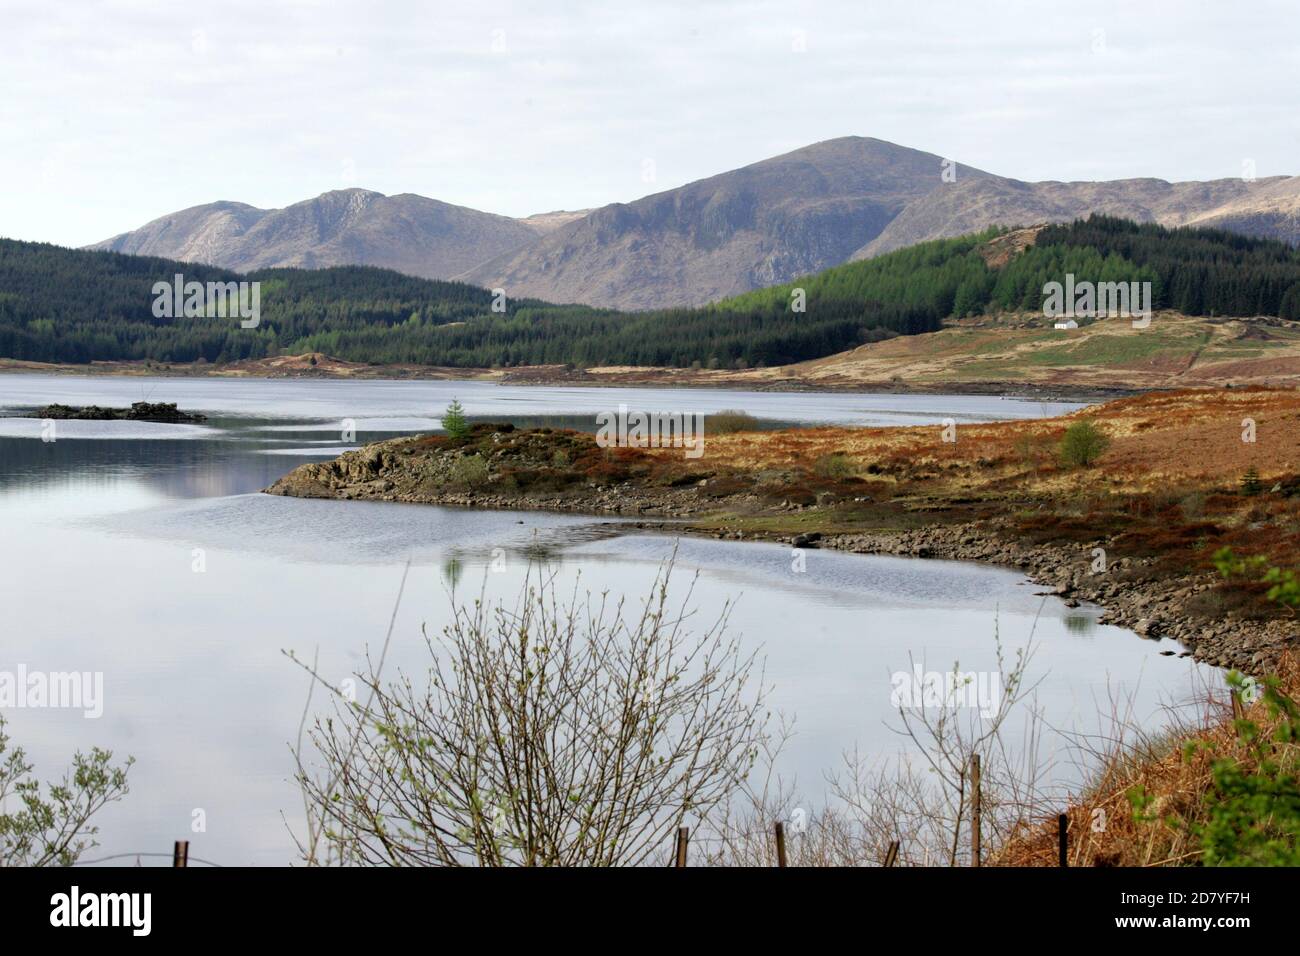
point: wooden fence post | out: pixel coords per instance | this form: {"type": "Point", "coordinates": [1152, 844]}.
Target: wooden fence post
{"type": "Point", "coordinates": [683, 835]}
{"type": "Point", "coordinates": [1063, 840]}
{"type": "Point", "coordinates": [975, 810]}
{"type": "Point", "coordinates": [780, 843]}
{"type": "Point", "coordinates": [181, 853]}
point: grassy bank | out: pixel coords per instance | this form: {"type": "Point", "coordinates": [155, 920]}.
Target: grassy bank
{"type": "Point", "coordinates": [1220, 787]}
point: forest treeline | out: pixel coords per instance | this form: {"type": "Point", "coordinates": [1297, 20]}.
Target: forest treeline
{"type": "Point", "coordinates": [65, 305]}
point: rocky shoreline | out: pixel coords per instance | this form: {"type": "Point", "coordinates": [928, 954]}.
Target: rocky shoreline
{"type": "Point", "coordinates": [1152, 608]}
{"type": "Point", "coordinates": [1131, 595]}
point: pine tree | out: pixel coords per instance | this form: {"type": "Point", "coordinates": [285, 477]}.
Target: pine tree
{"type": "Point", "coordinates": [453, 420]}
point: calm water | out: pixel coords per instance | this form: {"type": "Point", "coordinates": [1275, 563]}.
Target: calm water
{"type": "Point", "coordinates": [102, 529]}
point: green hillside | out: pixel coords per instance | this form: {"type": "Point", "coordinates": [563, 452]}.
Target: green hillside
{"type": "Point", "coordinates": [64, 305]}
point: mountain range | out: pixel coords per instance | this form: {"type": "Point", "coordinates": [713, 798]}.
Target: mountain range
{"type": "Point", "coordinates": [411, 234]}
{"type": "Point", "coordinates": [763, 224]}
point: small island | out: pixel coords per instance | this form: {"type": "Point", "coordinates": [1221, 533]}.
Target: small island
{"type": "Point", "coordinates": [165, 412]}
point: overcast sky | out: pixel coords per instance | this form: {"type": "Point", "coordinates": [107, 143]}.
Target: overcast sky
{"type": "Point", "coordinates": [114, 113]}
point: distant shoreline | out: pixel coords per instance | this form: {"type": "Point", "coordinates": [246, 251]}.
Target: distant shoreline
{"type": "Point", "coordinates": [1012, 355]}
{"type": "Point", "coordinates": [558, 376]}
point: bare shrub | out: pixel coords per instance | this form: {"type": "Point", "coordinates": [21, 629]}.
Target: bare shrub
{"type": "Point", "coordinates": [1193, 506]}
{"type": "Point", "coordinates": [730, 420]}
{"type": "Point", "coordinates": [469, 471]}
{"type": "Point", "coordinates": [1033, 450]}
{"type": "Point", "coordinates": [1204, 788]}
{"type": "Point", "coordinates": [550, 733]}
{"type": "Point", "coordinates": [922, 799]}
{"type": "Point", "coordinates": [836, 465]}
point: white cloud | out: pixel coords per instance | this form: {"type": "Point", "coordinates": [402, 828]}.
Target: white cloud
{"type": "Point", "coordinates": [113, 114]}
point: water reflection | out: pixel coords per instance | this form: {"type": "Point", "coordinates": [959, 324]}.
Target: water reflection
{"type": "Point", "coordinates": [98, 573]}
{"type": "Point", "coordinates": [170, 469]}
{"type": "Point", "coordinates": [358, 400]}
{"type": "Point", "coordinates": [1083, 624]}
